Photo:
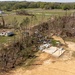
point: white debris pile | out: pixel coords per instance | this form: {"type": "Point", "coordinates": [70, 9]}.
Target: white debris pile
{"type": "Point", "coordinates": [59, 52]}
{"type": "Point", "coordinates": [44, 46]}
{"type": "Point", "coordinates": [50, 50]}
{"type": "Point", "coordinates": [55, 51]}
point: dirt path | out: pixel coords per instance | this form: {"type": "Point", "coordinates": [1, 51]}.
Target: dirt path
{"type": "Point", "coordinates": [71, 45]}
{"type": "Point", "coordinates": [58, 68]}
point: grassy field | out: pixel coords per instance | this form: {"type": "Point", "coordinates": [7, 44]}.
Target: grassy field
{"type": "Point", "coordinates": [4, 39]}
{"type": "Point", "coordinates": [51, 12]}
{"type": "Point", "coordinates": [41, 15]}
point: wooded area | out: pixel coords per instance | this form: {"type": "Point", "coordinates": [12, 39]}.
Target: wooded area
{"type": "Point", "coordinates": [44, 5]}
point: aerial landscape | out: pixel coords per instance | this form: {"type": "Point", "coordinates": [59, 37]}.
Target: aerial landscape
{"type": "Point", "coordinates": [37, 37]}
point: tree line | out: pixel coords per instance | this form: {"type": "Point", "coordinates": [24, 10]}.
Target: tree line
{"type": "Point", "coordinates": [12, 5]}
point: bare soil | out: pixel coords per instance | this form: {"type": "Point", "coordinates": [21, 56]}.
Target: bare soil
{"type": "Point", "coordinates": [50, 65]}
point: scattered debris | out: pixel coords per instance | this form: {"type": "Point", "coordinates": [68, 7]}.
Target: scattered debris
{"type": "Point", "coordinates": [44, 46]}
{"type": "Point", "coordinates": [59, 52]}
{"type": "Point", "coordinates": [50, 50]}
{"type": "Point", "coordinates": [55, 51]}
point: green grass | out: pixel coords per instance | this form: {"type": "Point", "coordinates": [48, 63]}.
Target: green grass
{"type": "Point", "coordinates": [54, 42]}
{"type": "Point", "coordinates": [52, 12]}
{"type": "Point", "coordinates": [39, 18]}
{"type": "Point", "coordinates": [5, 39]}
{"type": "Point", "coordinates": [41, 15]}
